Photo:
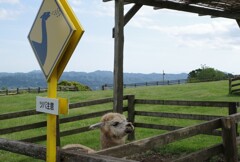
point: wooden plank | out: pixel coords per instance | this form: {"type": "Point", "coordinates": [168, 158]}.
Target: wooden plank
{"type": "Point", "coordinates": [39, 152]}
{"type": "Point", "coordinates": [235, 90]}
{"type": "Point", "coordinates": [84, 116]}
{"type": "Point", "coordinates": [71, 106]}
{"type": "Point", "coordinates": [160, 140]}
{"type": "Point", "coordinates": [28, 149]}
{"type": "Point", "coordinates": [183, 103]}
{"type": "Point", "coordinates": [236, 78]}
{"type": "Point", "coordinates": [18, 114]}
{"type": "Point", "coordinates": [229, 139]}
{"type": "Point", "coordinates": [157, 126]}
{"type": "Point", "coordinates": [62, 134]}
{"type": "Point", "coordinates": [177, 115]}
{"type": "Point", "coordinates": [93, 102]}
{"type": "Point", "coordinates": [63, 120]}
{"type": "Point", "coordinates": [237, 84]}
{"type": "Point", "coordinates": [23, 127]}
{"type": "Point", "coordinates": [202, 155]}
{"type": "Point", "coordinates": [43, 124]}
{"type": "Point", "coordinates": [236, 117]}
{"type": "Point", "coordinates": [90, 103]}
{"type": "Point", "coordinates": [171, 128]}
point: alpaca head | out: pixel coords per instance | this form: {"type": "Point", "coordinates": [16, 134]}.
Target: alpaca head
{"type": "Point", "coordinates": [114, 128]}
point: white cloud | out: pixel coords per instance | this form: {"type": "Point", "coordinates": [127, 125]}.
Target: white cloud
{"type": "Point", "coordinates": [211, 33]}
{"type": "Point", "coordinates": [219, 34]}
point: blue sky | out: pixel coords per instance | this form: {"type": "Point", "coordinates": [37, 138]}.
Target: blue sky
{"type": "Point", "coordinates": [155, 40]}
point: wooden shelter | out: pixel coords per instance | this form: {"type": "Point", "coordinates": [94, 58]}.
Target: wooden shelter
{"type": "Point", "coordinates": [215, 8]}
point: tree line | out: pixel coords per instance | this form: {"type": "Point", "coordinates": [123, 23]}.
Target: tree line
{"type": "Point", "coordinates": [207, 74]}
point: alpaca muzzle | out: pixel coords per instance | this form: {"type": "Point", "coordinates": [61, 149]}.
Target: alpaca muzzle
{"type": "Point", "coordinates": [129, 128]}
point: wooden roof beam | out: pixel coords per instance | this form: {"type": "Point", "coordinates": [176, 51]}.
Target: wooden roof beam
{"type": "Point", "coordinates": [186, 8]}
{"type": "Point", "coordinates": [199, 1]}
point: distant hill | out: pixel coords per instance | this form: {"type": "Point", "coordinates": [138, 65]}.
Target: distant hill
{"type": "Point", "coordinates": [93, 79]}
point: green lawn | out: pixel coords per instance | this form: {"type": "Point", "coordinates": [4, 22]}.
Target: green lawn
{"type": "Point", "coordinates": [208, 91]}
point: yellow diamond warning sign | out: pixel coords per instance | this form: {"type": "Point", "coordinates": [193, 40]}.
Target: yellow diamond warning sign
{"type": "Point", "coordinates": [54, 29]}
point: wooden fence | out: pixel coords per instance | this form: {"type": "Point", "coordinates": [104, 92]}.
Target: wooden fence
{"type": "Point", "coordinates": [34, 90]}
{"type": "Point", "coordinates": [167, 82]}
{"type": "Point", "coordinates": [234, 85]}
{"type": "Point", "coordinates": [210, 125]}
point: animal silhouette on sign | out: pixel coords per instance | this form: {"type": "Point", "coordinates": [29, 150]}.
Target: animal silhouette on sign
{"type": "Point", "coordinates": [41, 48]}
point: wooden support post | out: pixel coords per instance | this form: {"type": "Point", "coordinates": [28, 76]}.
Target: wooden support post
{"type": "Point", "coordinates": [118, 56]}
{"type": "Point", "coordinates": [229, 139]}
{"type": "Point", "coordinates": [131, 114]}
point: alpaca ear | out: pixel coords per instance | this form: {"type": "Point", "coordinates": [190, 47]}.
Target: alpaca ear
{"type": "Point", "coordinates": [97, 125]}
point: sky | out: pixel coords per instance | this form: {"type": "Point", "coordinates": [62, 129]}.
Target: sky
{"type": "Point", "coordinates": [155, 40]}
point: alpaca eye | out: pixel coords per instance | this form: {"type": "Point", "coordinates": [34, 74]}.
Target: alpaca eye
{"type": "Point", "coordinates": [115, 124]}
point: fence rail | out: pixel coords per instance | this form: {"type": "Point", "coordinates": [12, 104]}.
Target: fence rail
{"type": "Point", "coordinates": [211, 125]}
{"type": "Point", "coordinates": [167, 82]}
{"type": "Point", "coordinates": [234, 85]}
{"type": "Point", "coordinates": [34, 90]}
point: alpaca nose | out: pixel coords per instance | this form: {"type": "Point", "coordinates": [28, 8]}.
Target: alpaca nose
{"type": "Point", "coordinates": [129, 128]}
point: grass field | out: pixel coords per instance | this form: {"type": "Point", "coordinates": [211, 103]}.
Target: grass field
{"type": "Point", "coordinates": [208, 91]}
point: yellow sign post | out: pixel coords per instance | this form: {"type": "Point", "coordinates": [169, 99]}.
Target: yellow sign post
{"type": "Point", "coordinates": [54, 36]}
{"type": "Point", "coordinates": [52, 121]}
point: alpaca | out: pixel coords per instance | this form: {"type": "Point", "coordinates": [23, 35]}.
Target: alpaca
{"type": "Point", "coordinates": [114, 129]}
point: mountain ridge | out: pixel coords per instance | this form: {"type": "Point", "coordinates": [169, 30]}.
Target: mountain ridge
{"type": "Point", "coordinates": [92, 79]}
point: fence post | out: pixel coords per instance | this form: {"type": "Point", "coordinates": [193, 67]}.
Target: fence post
{"type": "Point", "coordinates": [6, 91]}
{"type": "Point", "coordinates": [229, 139]}
{"type": "Point", "coordinates": [17, 90]}
{"type": "Point", "coordinates": [230, 86]}
{"type": "Point", "coordinates": [131, 114]}
{"type": "Point", "coordinates": [39, 89]}
{"type": "Point", "coordinates": [232, 109]}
